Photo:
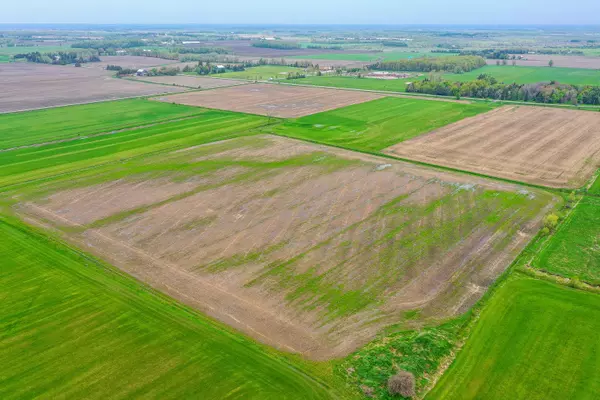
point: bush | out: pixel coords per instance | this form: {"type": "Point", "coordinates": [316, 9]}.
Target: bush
{"type": "Point", "coordinates": [403, 383]}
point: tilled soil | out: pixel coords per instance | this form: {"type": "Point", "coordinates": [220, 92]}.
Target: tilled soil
{"type": "Point", "coordinates": [193, 82]}
{"type": "Point", "coordinates": [307, 248]}
{"type": "Point", "coordinates": [28, 86]}
{"type": "Point", "coordinates": [538, 145]}
{"type": "Point", "coordinates": [273, 100]}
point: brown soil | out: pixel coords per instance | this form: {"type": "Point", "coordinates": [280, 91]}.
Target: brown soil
{"type": "Point", "coordinates": [27, 86]}
{"type": "Point", "coordinates": [194, 82]}
{"type": "Point", "coordinates": [537, 145]}
{"type": "Point", "coordinates": [240, 249]}
{"type": "Point", "coordinates": [541, 60]}
{"type": "Point", "coordinates": [274, 100]}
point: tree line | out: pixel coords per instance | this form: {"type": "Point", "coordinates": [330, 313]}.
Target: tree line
{"type": "Point", "coordinates": [109, 44]}
{"type": "Point", "coordinates": [268, 44]}
{"type": "Point", "coordinates": [454, 64]}
{"type": "Point", "coordinates": [59, 57]}
{"type": "Point", "coordinates": [487, 87]}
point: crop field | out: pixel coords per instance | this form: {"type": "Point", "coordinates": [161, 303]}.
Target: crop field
{"type": "Point", "coordinates": [28, 86]}
{"type": "Point", "coordinates": [273, 100]}
{"type": "Point", "coordinates": [378, 124]}
{"type": "Point", "coordinates": [262, 73]}
{"type": "Point", "coordinates": [193, 82]}
{"type": "Point", "coordinates": [386, 56]}
{"type": "Point", "coordinates": [395, 85]}
{"type": "Point", "coordinates": [76, 122]}
{"type": "Point", "coordinates": [542, 60]}
{"type": "Point", "coordinates": [510, 74]}
{"type": "Point", "coordinates": [534, 340]}
{"type": "Point", "coordinates": [74, 327]}
{"type": "Point", "coordinates": [574, 251]}
{"type": "Point", "coordinates": [543, 146]}
{"type": "Point", "coordinates": [307, 248]}
{"type": "Point", "coordinates": [4, 58]}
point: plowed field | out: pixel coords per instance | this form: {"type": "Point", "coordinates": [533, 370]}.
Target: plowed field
{"type": "Point", "coordinates": [537, 145]}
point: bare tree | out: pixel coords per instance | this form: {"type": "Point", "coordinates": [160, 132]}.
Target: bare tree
{"type": "Point", "coordinates": [403, 383]}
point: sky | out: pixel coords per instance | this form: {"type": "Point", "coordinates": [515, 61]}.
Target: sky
{"type": "Point", "coordinates": [394, 12]}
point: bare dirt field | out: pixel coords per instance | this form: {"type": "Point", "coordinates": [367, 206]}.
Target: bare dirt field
{"type": "Point", "coordinates": [273, 100]}
{"type": "Point", "coordinates": [541, 60]}
{"type": "Point", "coordinates": [194, 82]}
{"type": "Point", "coordinates": [307, 248]}
{"type": "Point", "coordinates": [537, 145]}
{"type": "Point", "coordinates": [27, 86]}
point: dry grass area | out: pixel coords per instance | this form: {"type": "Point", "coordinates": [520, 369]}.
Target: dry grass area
{"type": "Point", "coordinates": [195, 82]}
{"type": "Point", "coordinates": [28, 86]}
{"type": "Point", "coordinates": [538, 145]}
{"type": "Point", "coordinates": [541, 60]}
{"type": "Point", "coordinates": [307, 248]}
{"type": "Point", "coordinates": [273, 100]}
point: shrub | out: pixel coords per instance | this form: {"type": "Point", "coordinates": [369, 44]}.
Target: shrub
{"type": "Point", "coordinates": [403, 383]}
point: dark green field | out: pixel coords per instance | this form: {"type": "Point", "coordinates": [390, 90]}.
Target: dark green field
{"type": "Point", "coordinates": [21, 129]}
{"type": "Point", "coordinates": [378, 124]}
{"type": "Point", "coordinates": [574, 251]}
{"type": "Point", "coordinates": [395, 85]}
{"type": "Point", "coordinates": [510, 74]}
{"type": "Point", "coordinates": [73, 327]}
{"type": "Point", "coordinates": [534, 340]}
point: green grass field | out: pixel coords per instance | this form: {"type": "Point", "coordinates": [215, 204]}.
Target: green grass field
{"type": "Point", "coordinates": [386, 56]}
{"type": "Point", "coordinates": [31, 127]}
{"type": "Point", "coordinates": [396, 85]}
{"type": "Point", "coordinates": [35, 164]}
{"type": "Point", "coordinates": [510, 74]}
{"type": "Point", "coordinates": [595, 188]}
{"type": "Point", "coordinates": [4, 58]}
{"type": "Point", "coordinates": [263, 72]}
{"type": "Point", "coordinates": [574, 251]}
{"type": "Point", "coordinates": [10, 51]}
{"type": "Point", "coordinates": [534, 340]}
{"type": "Point", "coordinates": [378, 124]}
{"type": "Point", "coordinates": [74, 327]}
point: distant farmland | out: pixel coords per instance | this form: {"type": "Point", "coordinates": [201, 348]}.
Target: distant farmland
{"type": "Point", "coordinates": [390, 85]}
{"type": "Point", "coordinates": [510, 74]}
{"type": "Point", "coordinates": [386, 56]}
{"type": "Point", "coordinates": [534, 340]}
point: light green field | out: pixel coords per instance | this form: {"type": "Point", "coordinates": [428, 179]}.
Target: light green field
{"type": "Point", "coordinates": [574, 251]}
{"type": "Point", "coordinates": [396, 85]}
{"type": "Point", "coordinates": [262, 73]}
{"type": "Point", "coordinates": [534, 340]}
{"type": "Point", "coordinates": [11, 51]}
{"type": "Point", "coordinates": [4, 58]}
{"type": "Point", "coordinates": [386, 56]}
{"type": "Point", "coordinates": [73, 327]}
{"type": "Point", "coordinates": [510, 74]}
{"type": "Point", "coordinates": [378, 124]}
{"type": "Point", "coordinates": [25, 128]}
{"type": "Point", "coordinates": [38, 163]}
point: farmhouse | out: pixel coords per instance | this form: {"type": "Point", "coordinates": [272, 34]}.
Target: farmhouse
{"type": "Point", "coordinates": [141, 72]}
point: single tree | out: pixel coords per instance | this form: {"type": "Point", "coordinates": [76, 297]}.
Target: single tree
{"type": "Point", "coordinates": [551, 63]}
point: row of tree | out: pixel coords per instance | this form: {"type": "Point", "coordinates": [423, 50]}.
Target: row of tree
{"type": "Point", "coordinates": [454, 64]}
{"type": "Point", "coordinates": [106, 44]}
{"type": "Point", "coordinates": [206, 68]}
{"type": "Point", "coordinates": [59, 57]}
{"type": "Point", "coordinates": [275, 44]}
{"type": "Point", "coordinates": [487, 87]}
{"type": "Point", "coordinates": [510, 54]}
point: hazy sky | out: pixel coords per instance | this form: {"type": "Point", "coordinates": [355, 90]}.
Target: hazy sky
{"type": "Point", "coordinates": [303, 11]}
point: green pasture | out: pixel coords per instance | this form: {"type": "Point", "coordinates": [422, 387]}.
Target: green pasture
{"type": "Point", "coordinates": [517, 74]}
{"type": "Point", "coordinates": [534, 340]}
{"type": "Point", "coordinates": [11, 51]}
{"type": "Point", "coordinates": [4, 58]}
{"type": "Point", "coordinates": [31, 127]}
{"type": "Point", "coordinates": [261, 73]}
{"type": "Point", "coordinates": [34, 164]}
{"type": "Point", "coordinates": [74, 327]}
{"type": "Point", "coordinates": [378, 124]}
{"type": "Point", "coordinates": [574, 251]}
{"type": "Point", "coordinates": [395, 85]}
